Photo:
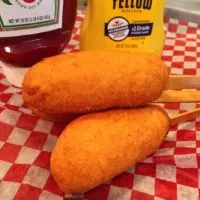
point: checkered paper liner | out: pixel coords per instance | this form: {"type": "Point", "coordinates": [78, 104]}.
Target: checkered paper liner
{"type": "Point", "coordinates": [172, 173]}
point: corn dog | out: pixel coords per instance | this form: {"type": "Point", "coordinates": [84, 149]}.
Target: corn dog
{"type": "Point", "coordinates": [85, 82]}
{"type": "Point", "coordinates": [96, 147]}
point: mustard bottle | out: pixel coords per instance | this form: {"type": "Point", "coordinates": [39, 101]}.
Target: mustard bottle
{"type": "Point", "coordinates": [127, 25]}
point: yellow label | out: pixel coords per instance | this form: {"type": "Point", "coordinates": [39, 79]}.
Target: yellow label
{"type": "Point", "coordinates": [129, 25]}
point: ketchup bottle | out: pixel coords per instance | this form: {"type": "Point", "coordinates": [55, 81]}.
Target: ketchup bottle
{"type": "Point", "coordinates": [31, 30]}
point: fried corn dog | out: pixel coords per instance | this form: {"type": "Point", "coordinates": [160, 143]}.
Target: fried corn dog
{"type": "Point", "coordinates": [96, 147]}
{"type": "Point", "coordinates": [85, 82]}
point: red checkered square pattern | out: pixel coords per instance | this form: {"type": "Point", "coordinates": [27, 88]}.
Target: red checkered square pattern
{"type": "Point", "coordinates": [172, 173]}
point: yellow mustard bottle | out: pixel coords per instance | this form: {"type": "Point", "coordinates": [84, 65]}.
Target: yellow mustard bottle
{"type": "Point", "coordinates": [127, 25]}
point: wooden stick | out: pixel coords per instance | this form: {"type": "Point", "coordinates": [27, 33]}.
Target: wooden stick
{"type": "Point", "coordinates": [177, 82]}
{"type": "Point", "coordinates": [186, 116]}
{"type": "Point", "coordinates": [179, 96]}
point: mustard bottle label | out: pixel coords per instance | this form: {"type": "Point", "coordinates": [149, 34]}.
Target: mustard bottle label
{"type": "Point", "coordinates": [119, 28]}
{"type": "Point", "coordinates": [129, 25]}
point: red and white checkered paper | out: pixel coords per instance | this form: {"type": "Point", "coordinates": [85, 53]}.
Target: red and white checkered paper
{"type": "Point", "coordinates": [173, 173]}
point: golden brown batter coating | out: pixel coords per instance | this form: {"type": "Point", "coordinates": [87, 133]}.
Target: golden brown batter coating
{"type": "Point", "coordinates": [85, 82]}
{"type": "Point", "coordinates": [96, 147]}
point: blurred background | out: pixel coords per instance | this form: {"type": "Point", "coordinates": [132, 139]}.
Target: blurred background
{"type": "Point", "coordinates": [186, 10]}
{"type": "Point", "coordinates": [82, 4]}
{"type": "Point", "coordinates": [189, 4]}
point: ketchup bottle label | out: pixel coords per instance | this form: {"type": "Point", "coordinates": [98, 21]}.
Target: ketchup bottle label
{"type": "Point", "coordinates": [27, 17]}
